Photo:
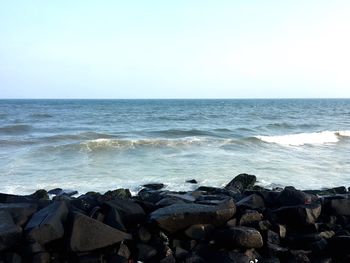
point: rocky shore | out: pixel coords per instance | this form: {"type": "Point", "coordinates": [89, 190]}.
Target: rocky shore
{"type": "Point", "coordinates": [241, 222]}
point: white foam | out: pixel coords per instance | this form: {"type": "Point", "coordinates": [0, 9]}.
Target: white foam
{"type": "Point", "coordinates": [300, 139]}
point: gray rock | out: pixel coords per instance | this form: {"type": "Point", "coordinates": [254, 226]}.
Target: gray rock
{"type": "Point", "coordinates": [241, 182]}
{"type": "Point", "coordinates": [47, 224]}
{"type": "Point", "coordinates": [240, 236]}
{"type": "Point", "coordinates": [340, 206]}
{"type": "Point", "coordinates": [10, 233]}
{"type": "Point", "coordinates": [20, 211]}
{"type": "Point", "coordinates": [179, 216]}
{"type": "Point", "coordinates": [145, 252]}
{"type": "Point", "coordinates": [89, 234]}
{"type": "Point", "coordinates": [199, 231]}
{"type": "Point", "coordinates": [253, 201]}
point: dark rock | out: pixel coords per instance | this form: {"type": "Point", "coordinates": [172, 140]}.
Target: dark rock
{"type": "Point", "coordinates": [10, 233]}
{"type": "Point", "coordinates": [47, 224]}
{"type": "Point", "coordinates": [20, 212]}
{"type": "Point", "coordinates": [130, 212]}
{"type": "Point", "coordinates": [59, 192]}
{"type": "Point", "coordinates": [42, 257]}
{"type": "Point", "coordinates": [40, 194]}
{"type": "Point", "coordinates": [168, 259]}
{"type": "Point", "coordinates": [145, 252]}
{"type": "Point", "coordinates": [143, 234]}
{"type": "Point", "coordinates": [232, 222]}
{"type": "Point", "coordinates": [253, 201]}
{"type": "Point", "coordinates": [219, 191]}
{"type": "Point", "coordinates": [13, 258]}
{"type": "Point", "coordinates": [179, 216]}
{"type": "Point", "coordinates": [192, 181]}
{"type": "Point", "coordinates": [340, 206]}
{"type": "Point", "coordinates": [151, 196]}
{"type": "Point", "coordinates": [114, 219]}
{"type": "Point", "coordinates": [193, 258]}
{"type": "Point", "coordinates": [184, 244]}
{"type": "Point", "coordinates": [55, 191]}
{"type": "Point", "coordinates": [240, 236]}
{"type": "Point", "coordinates": [120, 193]}
{"type": "Point", "coordinates": [89, 234]}
{"type": "Point", "coordinates": [241, 182]}
{"type": "Point", "coordinates": [299, 215]}
{"type": "Point", "coordinates": [169, 201]}
{"type": "Point", "coordinates": [154, 186]}
{"type": "Point", "coordinates": [299, 256]}
{"type": "Point", "coordinates": [291, 196]}
{"type": "Point", "coordinates": [249, 217]}
{"type": "Point", "coordinates": [199, 231]}
{"type": "Point", "coordinates": [180, 252]}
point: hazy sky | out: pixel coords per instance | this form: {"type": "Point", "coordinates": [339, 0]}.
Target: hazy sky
{"type": "Point", "coordinates": [174, 49]}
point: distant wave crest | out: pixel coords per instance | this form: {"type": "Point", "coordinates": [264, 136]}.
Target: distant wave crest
{"type": "Point", "coordinates": [306, 138]}
{"type": "Point", "coordinates": [15, 129]}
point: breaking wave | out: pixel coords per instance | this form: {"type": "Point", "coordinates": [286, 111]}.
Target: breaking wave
{"type": "Point", "coordinates": [299, 139]}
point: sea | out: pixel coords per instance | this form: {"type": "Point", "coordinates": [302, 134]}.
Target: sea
{"type": "Point", "coordinates": [98, 145]}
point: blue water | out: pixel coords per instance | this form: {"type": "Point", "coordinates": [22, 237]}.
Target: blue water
{"type": "Point", "coordinates": [105, 144]}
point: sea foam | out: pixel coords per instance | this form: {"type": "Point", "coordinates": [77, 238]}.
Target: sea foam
{"type": "Point", "coordinates": [300, 139]}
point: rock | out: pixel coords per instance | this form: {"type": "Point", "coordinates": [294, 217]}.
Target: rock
{"type": "Point", "coordinates": [42, 257]}
{"type": "Point", "coordinates": [40, 194]}
{"type": "Point", "coordinates": [143, 234]}
{"type": "Point", "coordinates": [241, 182]}
{"type": "Point", "coordinates": [120, 193]}
{"type": "Point", "coordinates": [291, 196]}
{"type": "Point", "coordinates": [199, 231]}
{"type": "Point", "coordinates": [249, 217]}
{"type": "Point", "coordinates": [145, 252]}
{"type": "Point", "coordinates": [240, 236]}
{"type": "Point", "coordinates": [130, 212]}
{"type": "Point", "coordinates": [168, 259]}
{"type": "Point", "coordinates": [20, 212]}
{"type": "Point", "coordinates": [179, 216]}
{"type": "Point", "coordinates": [193, 258]}
{"type": "Point", "coordinates": [340, 206]}
{"type": "Point", "coordinates": [13, 258]}
{"type": "Point", "coordinates": [299, 215]}
{"type": "Point", "coordinates": [253, 201]}
{"type": "Point", "coordinates": [192, 181]}
{"type": "Point", "coordinates": [114, 220]}
{"type": "Point", "coordinates": [180, 252]}
{"type": "Point", "coordinates": [154, 186]}
{"type": "Point", "coordinates": [47, 224]}
{"type": "Point", "coordinates": [89, 234]}
{"type": "Point", "coordinates": [60, 192]}
{"type": "Point", "coordinates": [10, 233]}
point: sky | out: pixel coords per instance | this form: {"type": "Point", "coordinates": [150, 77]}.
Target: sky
{"type": "Point", "coordinates": [175, 49]}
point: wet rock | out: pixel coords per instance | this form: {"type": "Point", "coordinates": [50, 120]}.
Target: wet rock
{"type": "Point", "coordinates": [291, 197]}
{"type": "Point", "coordinates": [179, 216]}
{"type": "Point", "coordinates": [13, 258]}
{"type": "Point", "coordinates": [145, 252]}
{"type": "Point", "coordinates": [241, 182]}
{"type": "Point", "coordinates": [299, 215]}
{"type": "Point", "coordinates": [40, 194]}
{"type": "Point", "coordinates": [89, 234]}
{"type": "Point", "coordinates": [60, 192]}
{"type": "Point", "coordinates": [10, 233]}
{"type": "Point", "coordinates": [192, 181]}
{"type": "Point", "coordinates": [42, 257]}
{"type": "Point", "coordinates": [120, 193]}
{"type": "Point", "coordinates": [154, 186]}
{"type": "Point", "coordinates": [239, 236]}
{"type": "Point", "coordinates": [169, 201]}
{"type": "Point", "coordinates": [129, 212]}
{"type": "Point", "coordinates": [199, 231]}
{"type": "Point", "coordinates": [143, 234]}
{"type": "Point", "coordinates": [47, 224]}
{"type": "Point", "coordinates": [151, 196]}
{"type": "Point", "coordinates": [253, 201]}
{"type": "Point", "coordinates": [340, 206]}
{"type": "Point", "coordinates": [249, 217]}
{"type": "Point", "coordinates": [20, 212]}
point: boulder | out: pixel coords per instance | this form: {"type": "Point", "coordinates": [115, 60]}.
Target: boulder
{"type": "Point", "coordinates": [199, 231]}
{"type": "Point", "coordinates": [179, 216]}
{"type": "Point", "coordinates": [253, 201]}
{"type": "Point", "coordinates": [20, 211]}
{"type": "Point", "coordinates": [47, 224]}
{"type": "Point", "coordinates": [291, 196]}
{"type": "Point", "coordinates": [130, 212]}
{"type": "Point", "coordinates": [88, 234]}
{"type": "Point", "coordinates": [120, 193]}
{"type": "Point", "coordinates": [145, 252]}
{"type": "Point", "coordinates": [298, 215]}
{"type": "Point", "coordinates": [340, 206]}
{"type": "Point", "coordinates": [249, 217]}
{"type": "Point", "coordinates": [192, 181]}
{"type": "Point", "coordinates": [239, 236]}
{"type": "Point", "coordinates": [154, 186]}
{"type": "Point", "coordinates": [241, 182]}
{"type": "Point", "coordinates": [10, 233]}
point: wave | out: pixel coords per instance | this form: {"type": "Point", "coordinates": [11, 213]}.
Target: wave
{"type": "Point", "coordinates": [300, 139]}
{"type": "Point", "coordinates": [182, 133]}
{"type": "Point", "coordinates": [41, 115]}
{"type": "Point", "coordinates": [15, 129]}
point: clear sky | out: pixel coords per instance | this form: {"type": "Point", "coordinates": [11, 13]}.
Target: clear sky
{"type": "Point", "coordinates": [174, 49]}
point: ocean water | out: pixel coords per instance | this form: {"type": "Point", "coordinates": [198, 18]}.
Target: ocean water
{"type": "Point", "coordinates": [99, 145]}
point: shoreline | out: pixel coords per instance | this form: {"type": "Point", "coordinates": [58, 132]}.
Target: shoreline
{"type": "Point", "coordinates": [241, 222]}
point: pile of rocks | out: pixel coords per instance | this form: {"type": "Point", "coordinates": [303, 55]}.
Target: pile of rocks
{"type": "Point", "coordinates": [241, 222]}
